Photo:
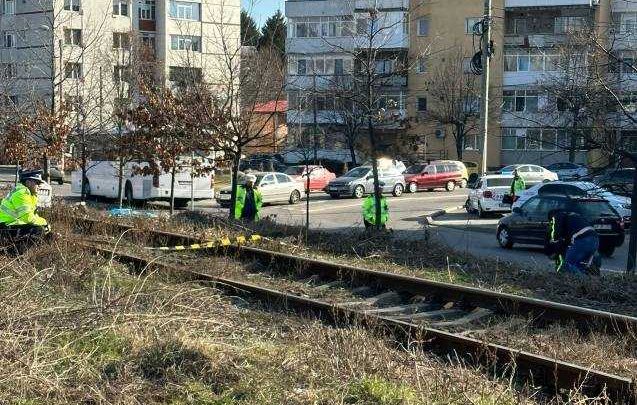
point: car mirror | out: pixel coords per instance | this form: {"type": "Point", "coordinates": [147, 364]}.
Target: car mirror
{"type": "Point", "coordinates": [369, 177]}
{"type": "Point", "coordinates": [517, 210]}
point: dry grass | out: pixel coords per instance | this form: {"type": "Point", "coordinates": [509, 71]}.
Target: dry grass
{"type": "Point", "coordinates": [81, 329]}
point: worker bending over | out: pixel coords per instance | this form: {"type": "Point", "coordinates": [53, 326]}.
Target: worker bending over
{"type": "Point", "coordinates": [573, 242]}
{"type": "Point", "coordinates": [17, 210]}
{"type": "Point", "coordinates": [369, 210]}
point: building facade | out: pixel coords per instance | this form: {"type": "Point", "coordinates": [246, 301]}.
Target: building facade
{"type": "Point", "coordinates": [84, 52]}
{"type": "Point", "coordinates": [526, 122]}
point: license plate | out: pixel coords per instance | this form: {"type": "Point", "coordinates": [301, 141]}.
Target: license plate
{"type": "Point", "coordinates": [497, 197]}
{"type": "Point", "coordinates": [504, 205]}
{"type": "Point", "coordinates": [224, 196]}
{"type": "Point", "coordinates": [333, 189]}
{"type": "Point", "coordinates": [602, 226]}
{"type": "Point", "coordinates": [43, 192]}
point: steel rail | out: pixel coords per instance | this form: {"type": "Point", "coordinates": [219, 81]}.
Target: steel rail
{"type": "Point", "coordinates": [538, 310]}
{"type": "Point", "coordinates": [554, 375]}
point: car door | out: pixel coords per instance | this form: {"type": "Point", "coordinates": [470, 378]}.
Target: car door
{"type": "Point", "coordinates": [524, 219]}
{"type": "Point", "coordinates": [442, 175]}
{"type": "Point", "coordinates": [427, 178]}
{"type": "Point", "coordinates": [539, 220]}
{"type": "Point", "coordinates": [268, 187]}
{"type": "Point", "coordinates": [317, 178]}
{"type": "Point", "coordinates": [284, 186]}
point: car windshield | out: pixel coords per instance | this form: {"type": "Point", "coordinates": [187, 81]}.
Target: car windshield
{"type": "Point", "coordinates": [358, 172]}
{"type": "Point", "coordinates": [295, 170]}
{"type": "Point", "coordinates": [415, 169]}
{"type": "Point", "coordinates": [507, 169]}
{"type": "Point", "coordinates": [594, 209]}
{"type": "Point", "coordinates": [259, 178]}
{"type": "Point", "coordinates": [499, 182]}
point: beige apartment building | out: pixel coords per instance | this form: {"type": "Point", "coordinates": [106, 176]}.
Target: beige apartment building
{"type": "Point", "coordinates": [525, 34]}
{"type": "Point", "coordinates": [83, 52]}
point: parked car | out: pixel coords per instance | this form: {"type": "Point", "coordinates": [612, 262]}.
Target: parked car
{"type": "Point", "coordinates": [568, 170]}
{"type": "Point", "coordinates": [275, 188]}
{"type": "Point", "coordinates": [486, 196]}
{"type": "Point", "coordinates": [359, 181]}
{"type": "Point", "coordinates": [620, 203]}
{"type": "Point", "coordinates": [472, 167]}
{"type": "Point", "coordinates": [319, 176]}
{"type": "Point", "coordinates": [618, 181]}
{"type": "Point", "coordinates": [57, 175]}
{"type": "Point", "coordinates": [437, 174]}
{"type": "Point", "coordinates": [528, 224]}
{"type": "Point", "coordinates": [262, 164]}
{"type": "Point", "coordinates": [532, 174]}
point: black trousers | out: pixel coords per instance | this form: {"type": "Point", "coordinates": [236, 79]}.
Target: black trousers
{"type": "Point", "coordinates": [370, 225]}
{"type": "Point", "coordinates": [22, 231]}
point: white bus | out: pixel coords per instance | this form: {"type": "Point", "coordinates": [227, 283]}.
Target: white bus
{"type": "Point", "coordinates": [102, 181]}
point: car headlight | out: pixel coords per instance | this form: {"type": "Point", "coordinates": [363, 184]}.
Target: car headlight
{"type": "Point", "coordinates": [626, 206]}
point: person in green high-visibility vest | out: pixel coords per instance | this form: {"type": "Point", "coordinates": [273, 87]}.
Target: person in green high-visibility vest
{"type": "Point", "coordinates": [517, 186]}
{"type": "Point", "coordinates": [18, 218]}
{"type": "Point", "coordinates": [369, 210]}
{"type": "Point", "coordinates": [248, 201]}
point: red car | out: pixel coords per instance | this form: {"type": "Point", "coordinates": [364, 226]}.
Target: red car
{"type": "Point", "coordinates": [319, 176]}
{"type": "Point", "coordinates": [437, 174]}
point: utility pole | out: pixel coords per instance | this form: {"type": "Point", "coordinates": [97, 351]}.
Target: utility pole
{"type": "Point", "coordinates": [486, 57]}
{"type": "Point", "coordinates": [632, 241]}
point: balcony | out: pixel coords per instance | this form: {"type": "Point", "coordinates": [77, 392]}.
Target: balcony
{"type": "Point", "coordinates": [382, 4]}
{"type": "Point", "coordinates": [549, 3]}
{"type": "Point", "coordinates": [304, 8]}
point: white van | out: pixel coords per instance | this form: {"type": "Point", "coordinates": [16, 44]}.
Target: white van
{"type": "Point", "coordinates": [102, 181]}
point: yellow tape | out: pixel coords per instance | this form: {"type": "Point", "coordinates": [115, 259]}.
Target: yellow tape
{"type": "Point", "coordinates": [225, 241]}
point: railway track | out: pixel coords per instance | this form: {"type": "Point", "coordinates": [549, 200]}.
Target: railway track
{"type": "Point", "coordinates": [415, 311]}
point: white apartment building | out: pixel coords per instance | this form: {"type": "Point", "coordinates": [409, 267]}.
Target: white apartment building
{"type": "Point", "coordinates": [324, 38]}
{"type": "Point", "coordinates": [81, 51]}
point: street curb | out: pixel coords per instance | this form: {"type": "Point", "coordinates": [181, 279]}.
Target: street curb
{"type": "Point", "coordinates": [430, 219]}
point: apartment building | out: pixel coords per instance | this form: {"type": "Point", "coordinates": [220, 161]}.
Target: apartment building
{"type": "Point", "coordinates": [82, 52]}
{"type": "Point", "coordinates": [325, 48]}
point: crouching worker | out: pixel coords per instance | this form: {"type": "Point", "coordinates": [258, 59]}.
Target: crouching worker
{"type": "Point", "coordinates": [369, 210]}
{"type": "Point", "coordinates": [248, 201]}
{"type": "Point", "coordinates": [18, 219]}
{"type": "Point", "coordinates": [573, 243]}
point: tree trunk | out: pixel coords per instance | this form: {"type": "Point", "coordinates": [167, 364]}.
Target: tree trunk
{"type": "Point", "coordinates": [233, 182]}
{"type": "Point", "coordinates": [83, 180]}
{"type": "Point", "coordinates": [632, 244]}
{"type": "Point", "coordinates": [17, 174]}
{"type": "Point", "coordinates": [172, 188]}
{"type": "Point", "coordinates": [307, 201]}
{"type": "Point", "coordinates": [377, 191]}
{"type": "Point", "coordinates": [46, 163]}
{"type": "Point", "coordinates": [459, 141]}
{"type": "Point", "coordinates": [352, 151]}
{"type": "Point", "coordinates": [573, 139]}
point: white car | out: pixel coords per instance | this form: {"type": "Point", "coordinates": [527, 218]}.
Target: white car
{"type": "Point", "coordinates": [532, 174]}
{"type": "Point", "coordinates": [568, 171]}
{"type": "Point", "coordinates": [486, 196]}
{"type": "Point", "coordinates": [578, 188]}
{"type": "Point", "coordinates": [275, 188]}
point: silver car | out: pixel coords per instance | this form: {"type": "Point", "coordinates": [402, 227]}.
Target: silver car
{"type": "Point", "coordinates": [359, 181]}
{"type": "Point", "coordinates": [275, 188]}
{"type": "Point", "coordinates": [532, 174]}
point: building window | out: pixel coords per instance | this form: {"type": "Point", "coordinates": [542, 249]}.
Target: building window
{"type": "Point", "coordinates": [146, 10]}
{"type": "Point", "coordinates": [73, 70]}
{"type": "Point", "coordinates": [185, 43]}
{"type": "Point", "coordinates": [421, 65]}
{"type": "Point", "coordinates": [544, 139]}
{"type": "Point", "coordinates": [566, 25]}
{"type": "Point", "coordinates": [470, 23]}
{"type": "Point", "coordinates": [185, 10]}
{"type": "Point", "coordinates": [8, 70]}
{"type": "Point", "coordinates": [73, 103]}
{"type": "Point", "coordinates": [322, 65]}
{"type": "Point", "coordinates": [423, 27]}
{"type": "Point", "coordinates": [314, 27]}
{"type": "Point", "coordinates": [627, 23]}
{"type": "Point", "coordinates": [72, 5]}
{"type": "Point", "coordinates": [9, 101]}
{"type": "Point", "coordinates": [121, 40]}
{"type": "Point", "coordinates": [520, 101]}
{"type": "Point", "coordinates": [9, 40]}
{"type": "Point", "coordinates": [120, 7]}
{"type": "Point", "coordinates": [121, 74]}
{"type": "Point", "coordinates": [422, 104]}
{"type": "Point", "coordinates": [472, 142]}
{"type": "Point", "coordinates": [73, 37]}
{"type": "Point", "coordinates": [9, 7]}
{"type": "Point", "coordinates": [530, 61]}
{"type": "Point", "coordinates": [184, 76]}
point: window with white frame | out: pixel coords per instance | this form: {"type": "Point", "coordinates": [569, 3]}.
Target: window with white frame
{"type": "Point", "coordinates": [73, 102]}
{"type": "Point", "coordinates": [121, 40]}
{"type": "Point", "coordinates": [545, 139]}
{"type": "Point", "coordinates": [8, 7]}
{"type": "Point", "coordinates": [321, 27]}
{"type": "Point", "coordinates": [421, 64]}
{"type": "Point", "coordinates": [521, 101]}
{"type": "Point", "coordinates": [73, 70]}
{"type": "Point", "coordinates": [73, 36]}
{"type": "Point", "coordinates": [185, 10]}
{"type": "Point", "coordinates": [472, 142]}
{"type": "Point", "coordinates": [185, 43]}
{"type": "Point", "coordinates": [72, 5]}
{"type": "Point", "coordinates": [629, 101]}
{"type": "Point", "coordinates": [525, 61]}
{"type": "Point", "coordinates": [627, 23]}
{"type": "Point", "coordinates": [8, 70]}
{"type": "Point", "coordinates": [120, 7]}
{"type": "Point", "coordinates": [121, 73]}
{"type": "Point", "coordinates": [146, 10]}
{"type": "Point", "coordinates": [470, 23]}
{"type": "Point", "coordinates": [423, 27]}
{"type": "Point", "coordinates": [319, 65]}
{"type": "Point", "coordinates": [565, 25]}
{"type": "Point", "coordinates": [148, 41]}
{"type": "Point", "coordinates": [9, 39]}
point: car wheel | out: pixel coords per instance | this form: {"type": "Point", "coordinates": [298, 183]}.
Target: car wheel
{"type": "Point", "coordinates": [504, 238]}
{"type": "Point", "coordinates": [181, 202]}
{"type": "Point", "coordinates": [463, 183]}
{"type": "Point", "coordinates": [398, 190]}
{"type": "Point", "coordinates": [607, 250]}
{"type": "Point", "coordinates": [359, 191]}
{"type": "Point", "coordinates": [295, 197]}
{"type": "Point", "coordinates": [60, 182]}
{"type": "Point", "coordinates": [467, 206]}
{"type": "Point", "coordinates": [412, 187]}
{"type": "Point", "coordinates": [450, 186]}
{"type": "Point", "coordinates": [430, 189]}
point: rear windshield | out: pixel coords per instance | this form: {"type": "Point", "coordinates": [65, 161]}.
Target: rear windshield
{"type": "Point", "coordinates": [593, 209]}
{"type": "Point", "coordinates": [499, 182]}
{"type": "Point", "coordinates": [415, 169]}
{"type": "Point", "coordinates": [356, 173]}
{"type": "Point", "coordinates": [295, 170]}
{"type": "Point", "coordinates": [506, 169]}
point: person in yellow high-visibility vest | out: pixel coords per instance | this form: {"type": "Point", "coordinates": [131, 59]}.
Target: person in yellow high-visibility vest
{"type": "Point", "coordinates": [17, 210]}
{"type": "Point", "coordinates": [248, 200]}
{"type": "Point", "coordinates": [369, 211]}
